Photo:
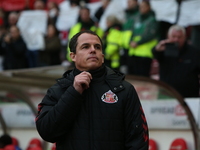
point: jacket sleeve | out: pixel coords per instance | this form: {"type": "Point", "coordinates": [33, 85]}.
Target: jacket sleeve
{"type": "Point", "coordinates": [57, 112]}
{"type": "Point", "coordinates": [136, 128]}
{"type": "Point", "coordinates": [159, 55]}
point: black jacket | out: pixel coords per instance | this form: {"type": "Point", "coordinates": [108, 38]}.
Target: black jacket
{"type": "Point", "coordinates": [181, 71]}
{"type": "Point", "coordinates": [107, 116]}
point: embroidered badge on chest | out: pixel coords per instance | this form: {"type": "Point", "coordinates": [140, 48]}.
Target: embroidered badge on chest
{"type": "Point", "coordinates": [109, 97]}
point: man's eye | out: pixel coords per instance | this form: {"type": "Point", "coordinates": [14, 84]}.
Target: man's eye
{"type": "Point", "coordinates": [98, 47]}
{"type": "Point", "coordinates": [84, 47]}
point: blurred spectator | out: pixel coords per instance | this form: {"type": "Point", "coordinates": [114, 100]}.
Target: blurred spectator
{"type": "Point", "coordinates": [33, 24]}
{"type": "Point", "coordinates": [14, 50]}
{"type": "Point", "coordinates": [130, 12]}
{"type": "Point", "coordinates": [12, 19]}
{"type": "Point", "coordinates": [112, 41]}
{"type": "Point", "coordinates": [53, 12]}
{"type": "Point", "coordinates": [2, 17]}
{"type": "Point", "coordinates": [51, 54]}
{"type": "Point", "coordinates": [143, 39]}
{"type": "Point", "coordinates": [85, 22]}
{"type": "Point", "coordinates": [99, 12]}
{"type": "Point", "coordinates": [3, 32]}
{"type": "Point", "coordinates": [179, 63]}
{"type": "Point", "coordinates": [74, 3]}
{"type": "Point", "coordinates": [39, 5]}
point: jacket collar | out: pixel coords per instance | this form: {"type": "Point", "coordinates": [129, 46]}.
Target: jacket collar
{"type": "Point", "coordinates": [110, 78]}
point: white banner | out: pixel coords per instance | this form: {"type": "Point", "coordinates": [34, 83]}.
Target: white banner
{"type": "Point", "coordinates": [33, 25]}
{"type": "Point", "coordinates": [169, 114]}
{"type": "Point", "coordinates": [18, 115]}
{"type": "Point", "coordinates": [68, 15]}
{"type": "Point", "coordinates": [190, 13]}
{"type": "Point", "coordinates": [166, 10]}
{"type": "Point", "coordinates": [115, 8]}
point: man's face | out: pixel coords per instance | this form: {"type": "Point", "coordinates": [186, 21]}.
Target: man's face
{"type": "Point", "coordinates": [14, 32]}
{"type": "Point", "coordinates": [131, 4]}
{"type": "Point", "coordinates": [89, 54]}
{"type": "Point", "coordinates": [85, 15]}
{"type": "Point", "coordinates": [144, 8]}
{"type": "Point", "coordinates": [177, 37]}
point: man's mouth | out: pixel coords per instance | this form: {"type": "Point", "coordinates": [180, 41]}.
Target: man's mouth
{"type": "Point", "coordinates": [93, 58]}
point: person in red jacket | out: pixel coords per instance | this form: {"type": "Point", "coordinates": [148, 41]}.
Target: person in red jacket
{"type": "Point", "coordinates": [92, 107]}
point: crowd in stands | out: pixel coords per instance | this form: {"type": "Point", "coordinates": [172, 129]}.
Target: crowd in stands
{"type": "Point", "coordinates": [127, 43]}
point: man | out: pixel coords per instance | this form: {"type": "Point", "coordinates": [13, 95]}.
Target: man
{"type": "Point", "coordinates": [144, 38]}
{"type": "Point", "coordinates": [14, 49]}
{"type": "Point", "coordinates": [92, 107]}
{"type": "Point", "coordinates": [130, 12]}
{"type": "Point", "coordinates": [112, 42]}
{"type": "Point", "coordinates": [179, 62]}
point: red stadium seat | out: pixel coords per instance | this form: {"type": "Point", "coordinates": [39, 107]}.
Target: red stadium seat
{"type": "Point", "coordinates": [152, 144]}
{"type": "Point", "coordinates": [35, 148]}
{"type": "Point", "coordinates": [178, 144]}
{"type": "Point", "coordinates": [15, 141]}
{"type": "Point", "coordinates": [9, 147]}
{"type": "Point", "coordinates": [53, 147]}
{"type": "Point", "coordinates": [35, 144]}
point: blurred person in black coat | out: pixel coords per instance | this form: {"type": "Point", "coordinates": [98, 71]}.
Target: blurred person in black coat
{"type": "Point", "coordinates": [51, 54]}
{"type": "Point", "coordinates": [179, 62]}
{"type": "Point", "coordinates": [13, 49]}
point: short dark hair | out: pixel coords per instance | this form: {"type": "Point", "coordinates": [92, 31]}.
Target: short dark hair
{"type": "Point", "coordinates": [73, 42]}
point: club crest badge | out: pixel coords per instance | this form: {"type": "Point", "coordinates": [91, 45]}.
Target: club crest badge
{"type": "Point", "coordinates": [109, 97]}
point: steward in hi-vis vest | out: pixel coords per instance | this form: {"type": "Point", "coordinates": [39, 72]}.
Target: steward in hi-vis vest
{"type": "Point", "coordinates": [112, 42]}
{"type": "Point", "coordinates": [144, 38]}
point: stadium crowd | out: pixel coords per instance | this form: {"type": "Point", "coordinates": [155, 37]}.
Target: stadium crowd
{"type": "Point", "coordinates": [128, 42]}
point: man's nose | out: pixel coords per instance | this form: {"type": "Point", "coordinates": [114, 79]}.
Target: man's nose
{"type": "Point", "coordinates": [92, 49]}
{"type": "Point", "coordinates": [176, 39]}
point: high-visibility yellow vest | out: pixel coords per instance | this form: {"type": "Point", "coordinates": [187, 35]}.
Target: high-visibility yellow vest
{"type": "Point", "coordinates": [126, 37]}
{"type": "Point", "coordinates": [113, 43]}
{"type": "Point", "coordinates": [77, 28]}
{"type": "Point", "coordinates": [143, 50]}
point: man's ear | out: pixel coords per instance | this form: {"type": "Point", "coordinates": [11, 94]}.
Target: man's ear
{"type": "Point", "coordinates": [72, 56]}
{"type": "Point", "coordinates": [103, 58]}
